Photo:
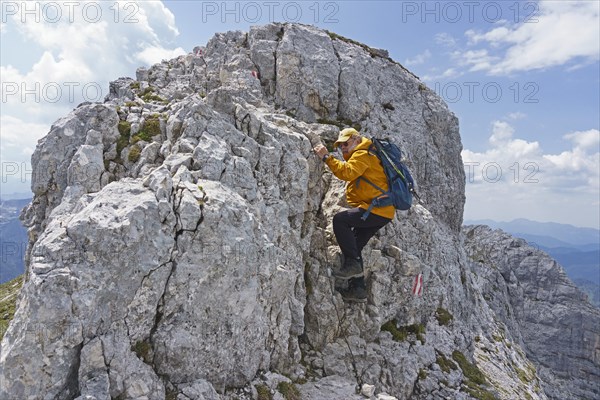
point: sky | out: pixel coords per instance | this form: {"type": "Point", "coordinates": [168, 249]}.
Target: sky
{"type": "Point", "coordinates": [522, 77]}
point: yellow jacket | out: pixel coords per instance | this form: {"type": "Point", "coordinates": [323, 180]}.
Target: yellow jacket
{"type": "Point", "coordinates": [362, 163]}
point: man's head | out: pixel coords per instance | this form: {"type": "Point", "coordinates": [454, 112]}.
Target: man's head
{"type": "Point", "coordinates": [348, 139]}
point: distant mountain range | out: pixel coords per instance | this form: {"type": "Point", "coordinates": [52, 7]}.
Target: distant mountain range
{"type": "Point", "coordinates": [16, 196]}
{"type": "Point", "coordinates": [576, 249]}
{"type": "Point", "coordinates": [549, 234]}
{"type": "Point", "coordinates": [13, 239]}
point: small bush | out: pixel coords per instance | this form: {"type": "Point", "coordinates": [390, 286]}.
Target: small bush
{"type": "Point", "coordinates": [471, 371]}
{"type": "Point", "coordinates": [153, 97]}
{"type": "Point", "coordinates": [134, 153]}
{"type": "Point", "coordinates": [124, 128]}
{"type": "Point", "coordinates": [148, 90]}
{"type": "Point", "coordinates": [443, 316]}
{"type": "Point", "coordinates": [9, 292]}
{"type": "Point", "coordinates": [264, 393]}
{"type": "Point", "coordinates": [142, 350]}
{"type": "Point", "coordinates": [171, 394]}
{"type": "Point", "coordinates": [391, 327]}
{"type": "Point", "coordinates": [289, 391]}
{"type": "Point", "coordinates": [149, 129]}
{"type": "Point", "coordinates": [445, 364]}
{"type": "Point", "coordinates": [400, 334]}
{"type": "Point", "coordinates": [478, 392]}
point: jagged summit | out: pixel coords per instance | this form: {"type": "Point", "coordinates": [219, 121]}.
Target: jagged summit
{"type": "Point", "coordinates": [180, 238]}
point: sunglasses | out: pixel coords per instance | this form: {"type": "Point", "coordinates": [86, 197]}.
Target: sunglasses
{"type": "Point", "coordinates": [346, 143]}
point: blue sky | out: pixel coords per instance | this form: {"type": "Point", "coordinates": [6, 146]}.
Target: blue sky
{"type": "Point", "coordinates": [523, 78]}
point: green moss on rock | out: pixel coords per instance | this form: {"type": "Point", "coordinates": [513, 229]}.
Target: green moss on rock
{"type": "Point", "coordinates": [443, 316]}
{"type": "Point", "coordinates": [401, 333]}
{"type": "Point", "coordinates": [143, 350]}
{"type": "Point", "coordinates": [9, 292]}
{"type": "Point", "coordinates": [289, 391]}
{"type": "Point", "coordinates": [471, 371]}
{"type": "Point", "coordinates": [479, 393]}
{"type": "Point", "coordinates": [445, 364]}
{"type": "Point", "coordinates": [124, 128]}
{"type": "Point", "coordinates": [134, 153]}
{"type": "Point", "coordinates": [149, 129]}
{"type": "Point", "coordinates": [264, 393]}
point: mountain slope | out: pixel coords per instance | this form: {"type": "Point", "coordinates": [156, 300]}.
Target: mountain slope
{"type": "Point", "coordinates": [577, 250]}
{"type": "Point", "coordinates": [532, 296]}
{"type": "Point", "coordinates": [181, 240]}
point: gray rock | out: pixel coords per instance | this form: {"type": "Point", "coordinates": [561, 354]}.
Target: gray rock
{"type": "Point", "coordinates": [198, 390]}
{"type": "Point", "coordinates": [331, 387]}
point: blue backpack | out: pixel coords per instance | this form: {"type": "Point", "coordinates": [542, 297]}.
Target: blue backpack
{"type": "Point", "coordinates": [400, 182]}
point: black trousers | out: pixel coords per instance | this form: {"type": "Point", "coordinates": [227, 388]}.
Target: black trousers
{"type": "Point", "coordinates": [352, 233]}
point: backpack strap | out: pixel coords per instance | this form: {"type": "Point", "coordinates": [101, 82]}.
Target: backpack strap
{"type": "Point", "coordinates": [370, 183]}
{"type": "Point", "coordinates": [368, 212]}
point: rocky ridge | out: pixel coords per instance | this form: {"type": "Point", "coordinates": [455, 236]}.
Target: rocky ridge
{"type": "Point", "coordinates": [180, 240]}
{"type": "Point", "coordinates": [541, 310]}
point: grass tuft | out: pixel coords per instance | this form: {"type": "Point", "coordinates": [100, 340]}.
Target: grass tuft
{"type": "Point", "coordinates": [289, 391]}
{"type": "Point", "coordinates": [134, 153]}
{"type": "Point", "coordinates": [9, 292]}
{"type": "Point", "coordinates": [400, 334]}
{"type": "Point", "coordinates": [443, 316]}
{"type": "Point", "coordinates": [471, 371]}
{"type": "Point", "coordinates": [264, 393]}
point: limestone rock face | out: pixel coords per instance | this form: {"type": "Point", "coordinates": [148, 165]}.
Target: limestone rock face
{"type": "Point", "coordinates": [181, 243]}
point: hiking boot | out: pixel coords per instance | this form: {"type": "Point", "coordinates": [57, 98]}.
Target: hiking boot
{"type": "Point", "coordinates": [354, 294]}
{"type": "Point", "coordinates": [352, 269]}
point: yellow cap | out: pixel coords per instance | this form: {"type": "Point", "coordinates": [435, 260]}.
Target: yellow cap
{"type": "Point", "coordinates": [344, 135]}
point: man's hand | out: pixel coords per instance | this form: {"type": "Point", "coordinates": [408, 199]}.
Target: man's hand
{"type": "Point", "coordinates": [320, 150]}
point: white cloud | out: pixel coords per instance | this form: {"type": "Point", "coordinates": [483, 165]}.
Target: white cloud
{"type": "Point", "coordinates": [418, 59]}
{"type": "Point", "coordinates": [86, 51]}
{"type": "Point", "coordinates": [516, 115]}
{"type": "Point", "coordinates": [562, 32]}
{"type": "Point", "coordinates": [583, 158]}
{"type": "Point", "coordinates": [19, 137]}
{"type": "Point", "coordinates": [576, 167]}
{"type": "Point", "coordinates": [585, 140]}
{"type": "Point", "coordinates": [447, 74]}
{"type": "Point", "coordinates": [155, 54]}
{"type": "Point", "coordinates": [478, 60]}
{"type": "Point", "coordinates": [75, 58]}
{"type": "Point", "coordinates": [445, 39]}
{"type": "Point", "coordinates": [514, 178]}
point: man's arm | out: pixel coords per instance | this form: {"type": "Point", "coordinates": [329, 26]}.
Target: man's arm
{"type": "Point", "coordinates": [346, 171]}
{"type": "Point", "coordinates": [350, 170]}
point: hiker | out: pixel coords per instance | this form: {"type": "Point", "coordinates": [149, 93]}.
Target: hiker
{"type": "Point", "coordinates": [351, 231]}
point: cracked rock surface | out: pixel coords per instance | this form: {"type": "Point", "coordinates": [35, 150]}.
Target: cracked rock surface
{"type": "Point", "coordinates": [181, 241]}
